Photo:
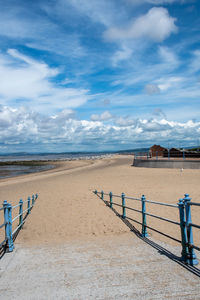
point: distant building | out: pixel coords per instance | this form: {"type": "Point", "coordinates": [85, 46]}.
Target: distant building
{"type": "Point", "coordinates": [157, 150]}
{"type": "Point", "coordinates": [173, 152]}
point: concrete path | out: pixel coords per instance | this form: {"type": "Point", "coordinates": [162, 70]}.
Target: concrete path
{"type": "Point", "coordinates": [119, 267]}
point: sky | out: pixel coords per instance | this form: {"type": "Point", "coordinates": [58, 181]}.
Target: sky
{"type": "Point", "coordinates": [99, 75]}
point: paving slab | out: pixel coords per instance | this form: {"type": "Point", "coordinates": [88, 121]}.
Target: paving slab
{"type": "Point", "coordinates": [111, 267]}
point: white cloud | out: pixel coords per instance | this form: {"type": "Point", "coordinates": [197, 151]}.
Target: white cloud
{"type": "Point", "coordinates": [123, 54]}
{"type": "Point", "coordinates": [20, 126]}
{"type": "Point", "coordinates": [166, 83]}
{"type": "Point", "coordinates": [25, 79]}
{"type": "Point", "coordinates": [156, 25]}
{"type": "Point", "coordinates": [104, 12]}
{"type": "Point", "coordinates": [168, 57]}
{"type": "Point", "coordinates": [103, 117]}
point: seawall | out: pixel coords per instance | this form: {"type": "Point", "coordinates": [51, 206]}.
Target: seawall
{"type": "Point", "coordinates": [170, 164]}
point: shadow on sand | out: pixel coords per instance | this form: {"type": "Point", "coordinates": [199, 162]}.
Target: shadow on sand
{"type": "Point", "coordinates": [161, 250]}
{"type": "Point", "coordinates": [4, 248]}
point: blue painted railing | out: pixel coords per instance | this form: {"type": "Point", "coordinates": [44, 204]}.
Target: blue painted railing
{"type": "Point", "coordinates": [185, 221]}
{"type": "Point", "coordinates": [7, 215]}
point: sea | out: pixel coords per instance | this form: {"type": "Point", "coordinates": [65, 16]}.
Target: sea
{"type": "Point", "coordinates": [16, 164]}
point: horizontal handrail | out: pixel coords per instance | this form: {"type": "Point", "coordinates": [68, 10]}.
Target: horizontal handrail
{"type": "Point", "coordinates": [19, 226]}
{"type": "Point", "coordinates": [14, 219]}
{"type": "Point", "coordinates": [25, 210]}
{"type": "Point", "coordinates": [164, 219]}
{"type": "Point", "coordinates": [15, 206]}
{"type": "Point", "coordinates": [134, 209]}
{"type": "Point", "coordinates": [117, 196]}
{"type": "Point", "coordinates": [185, 222]}
{"type": "Point", "coordinates": [139, 199]}
{"type": "Point", "coordinates": [162, 203]}
{"type": "Point", "coordinates": [194, 203]}
{"type": "Point", "coordinates": [8, 220]}
{"type": "Point", "coordinates": [131, 198]}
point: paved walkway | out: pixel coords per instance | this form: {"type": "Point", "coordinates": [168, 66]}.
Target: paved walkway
{"type": "Point", "coordinates": [119, 267]}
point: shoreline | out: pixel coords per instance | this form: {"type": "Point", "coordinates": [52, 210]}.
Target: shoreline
{"type": "Point", "coordinates": [11, 168]}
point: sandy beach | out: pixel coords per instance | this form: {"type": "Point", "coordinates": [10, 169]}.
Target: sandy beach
{"type": "Point", "coordinates": [67, 208]}
{"type": "Point", "coordinates": [72, 244]}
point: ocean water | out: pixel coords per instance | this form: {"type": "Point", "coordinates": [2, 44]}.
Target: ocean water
{"type": "Point", "coordinates": [16, 164]}
{"type": "Point", "coordinates": [9, 163]}
{"type": "Point", "coordinates": [16, 170]}
{"type": "Point", "coordinates": [51, 156]}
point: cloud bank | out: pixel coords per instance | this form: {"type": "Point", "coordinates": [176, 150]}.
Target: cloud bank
{"type": "Point", "coordinates": [34, 130]}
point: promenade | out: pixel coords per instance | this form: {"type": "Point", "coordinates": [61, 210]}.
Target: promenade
{"type": "Point", "coordinates": [73, 246]}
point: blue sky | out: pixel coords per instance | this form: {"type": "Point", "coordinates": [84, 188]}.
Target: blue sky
{"type": "Point", "coordinates": [80, 75]}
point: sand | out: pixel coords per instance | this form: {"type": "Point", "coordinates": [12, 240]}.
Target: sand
{"type": "Point", "coordinates": [67, 208]}
{"type": "Point", "coordinates": [73, 246]}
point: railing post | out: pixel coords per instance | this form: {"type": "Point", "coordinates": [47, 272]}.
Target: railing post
{"type": "Point", "coordinates": [102, 195]}
{"type": "Point", "coordinates": [6, 222]}
{"type": "Point", "coordinates": [184, 253]}
{"type": "Point", "coordinates": [10, 239]}
{"type": "Point", "coordinates": [110, 199]}
{"type": "Point", "coordinates": [29, 202]}
{"type": "Point", "coordinates": [21, 213]}
{"type": "Point", "coordinates": [123, 206]}
{"type": "Point", "coordinates": [192, 256]}
{"type": "Point", "coordinates": [144, 223]}
{"type": "Point", "coordinates": [33, 200]}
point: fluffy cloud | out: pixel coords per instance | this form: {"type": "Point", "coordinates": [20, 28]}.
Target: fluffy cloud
{"type": "Point", "coordinates": [156, 25]}
{"type": "Point", "coordinates": [26, 80]}
{"type": "Point", "coordinates": [36, 131]}
{"type": "Point", "coordinates": [103, 117]}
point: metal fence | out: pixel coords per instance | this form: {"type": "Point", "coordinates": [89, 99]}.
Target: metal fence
{"type": "Point", "coordinates": [185, 220]}
{"type": "Point", "coordinates": [11, 224]}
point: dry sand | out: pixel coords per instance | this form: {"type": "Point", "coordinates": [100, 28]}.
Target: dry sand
{"type": "Point", "coordinates": [72, 233]}
{"type": "Point", "coordinates": [67, 208]}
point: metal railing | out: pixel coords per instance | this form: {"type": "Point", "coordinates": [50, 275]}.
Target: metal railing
{"type": "Point", "coordinates": [185, 221]}
{"type": "Point", "coordinates": [167, 154]}
{"type": "Point", "coordinates": [9, 220]}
